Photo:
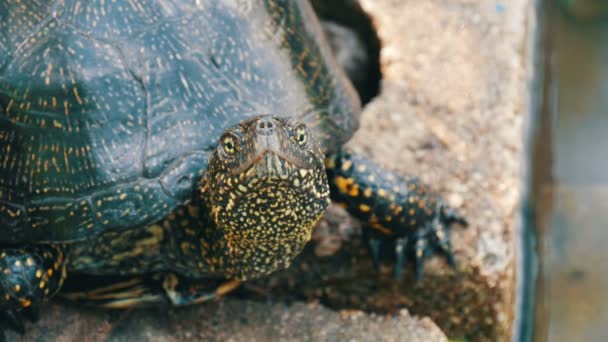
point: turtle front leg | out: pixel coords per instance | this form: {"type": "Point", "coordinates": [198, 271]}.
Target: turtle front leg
{"type": "Point", "coordinates": [29, 276]}
{"type": "Point", "coordinates": [396, 209]}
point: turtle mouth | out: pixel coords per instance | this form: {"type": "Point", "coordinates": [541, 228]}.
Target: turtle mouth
{"type": "Point", "coordinates": [269, 163]}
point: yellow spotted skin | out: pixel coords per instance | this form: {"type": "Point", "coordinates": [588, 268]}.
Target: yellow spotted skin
{"type": "Point", "coordinates": [30, 275]}
{"type": "Point", "coordinates": [392, 206]}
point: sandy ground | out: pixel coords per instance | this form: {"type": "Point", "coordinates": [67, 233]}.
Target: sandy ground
{"type": "Point", "coordinates": [450, 111]}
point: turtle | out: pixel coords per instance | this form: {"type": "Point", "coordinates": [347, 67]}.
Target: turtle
{"type": "Point", "coordinates": [178, 144]}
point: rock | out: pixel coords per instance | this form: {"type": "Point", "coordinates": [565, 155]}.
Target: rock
{"type": "Point", "coordinates": [227, 320]}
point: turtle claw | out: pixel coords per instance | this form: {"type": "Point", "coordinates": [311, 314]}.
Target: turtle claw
{"type": "Point", "coordinates": [400, 255]}
{"type": "Point", "coordinates": [440, 240]}
{"type": "Point", "coordinates": [419, 248]}
{"type": "Point", "coordinates": [449, 256]}
{"type": "Point", "coordinates": [433, 237]}
{"type": "Point", "coordinates": [374, 248]}
{"type": "Point", "coordinates": [450, 215]}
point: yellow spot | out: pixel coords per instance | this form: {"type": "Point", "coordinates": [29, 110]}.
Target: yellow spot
{"type": "Point", "coordinates": [7, 297]}
{"type": "Point", "coordinates": [412, 222]}
{"type": "Point", "coordinates": [412, 199]}
{"type": "Point", "coordinates": [411, 187]}
{"type": "Point", "coordinates": [329, 164]}
{"type": "Point", "coordinates": [344, 184]}
{"type": "Point", "coordinates": [17, 263]}
{"type": "Point", "coordinates": [8, 107]}
{"type": "Point", "coordinates": [388, 218]}
{"type": "Point", "coordinates": [49, 272]}
{"type": "Point", "coordinates": [77, 96]}
{"type": "Point", "coordinates": [122, 196]}
{"type": "Point", "coordinates": [361, 168]}
{"type": "Point", "coordinates": [421, 204]}
{"type": "Point", "coordinates": [242, 188]}
{"type": "Point", "coordinates": [364, 208]}
{"type": "Point", "coordinates": [17, 288]}
{"type": "Point", "coordinates": [354, 191]}
{"type": "Point", "coordinates": [49, 72]}
{"type": "Point", "coordinates": [13, 213]}
{"type": "Point", "coordinates": [412, 212]}
{"type": "Point", "coordinates": [227, 287]}
{"type": "Point", "coordinates": [439, 234]}
{"type": "Point", "coordinates": [25, 303]}
{"type": "Point", "coordinates": [367, 193]}
{"type": "Point", "coordinates": [185, 246]}
{"type": "Point", "coordinates": [371, 178]}
{"type": "Point", "coordinates": [419, 253]}
{"type": "Point", "coordinates": [380, 228]}
{"type": "Point", "coordinates": [382, 193]}
{"type": "Point", "coordinates": [29, 262]}
{"type": "Point", "coordinates": [347, 165]}
{"type": "Point", "coordinates": [42, 284]}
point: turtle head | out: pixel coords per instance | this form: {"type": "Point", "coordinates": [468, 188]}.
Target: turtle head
{"type": "Point", "coordinates": [267, 187]}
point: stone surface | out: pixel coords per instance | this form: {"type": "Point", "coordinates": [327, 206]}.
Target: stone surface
{"type": "Point", "coordinates": [228, 320]}
{"type": "Point", "coordinates": [454, 96]}
{"type": "Point", "coordinates": [450, 110]}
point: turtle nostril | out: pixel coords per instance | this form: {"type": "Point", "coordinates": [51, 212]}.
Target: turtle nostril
{"type": "Point", "coordinates": [265, 127]}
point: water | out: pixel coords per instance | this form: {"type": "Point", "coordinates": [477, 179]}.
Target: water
{"type": "Point", "coordinates": [569, 181]}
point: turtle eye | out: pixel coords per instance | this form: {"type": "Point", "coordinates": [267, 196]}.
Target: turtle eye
{"type": "Point", "coordinates": [230, 145]}
{"type": "Point", "coordinates": [301, 135]}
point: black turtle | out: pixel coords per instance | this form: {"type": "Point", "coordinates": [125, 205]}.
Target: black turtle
{"type": "Point", "coordinates": [184, 140]}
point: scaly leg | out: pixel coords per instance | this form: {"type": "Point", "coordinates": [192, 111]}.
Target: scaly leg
{"type": "Point", "coordinates": [396, 208]}
{"type": "Point", "coordinates": [29, 276]}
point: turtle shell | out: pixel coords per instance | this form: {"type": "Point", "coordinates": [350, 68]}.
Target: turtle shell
{"type": "Point", "coordinates": [109, 110]}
